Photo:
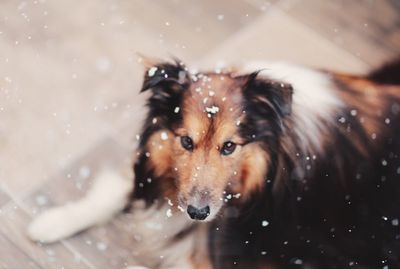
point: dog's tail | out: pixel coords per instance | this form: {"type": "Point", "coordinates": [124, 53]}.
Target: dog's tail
{"type": "Point", "coordinates": [108, 196]}
{"type": "Point", "coordinates": [387, 74]}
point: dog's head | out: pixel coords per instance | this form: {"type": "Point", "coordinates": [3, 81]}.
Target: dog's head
{"type": "Point", "coordinates": [211, 134]}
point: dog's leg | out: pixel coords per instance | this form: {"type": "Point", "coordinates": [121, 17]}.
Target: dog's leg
{"type": "Point", "coordinates": [108, 196]}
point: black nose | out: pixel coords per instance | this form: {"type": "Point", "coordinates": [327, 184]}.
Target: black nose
{"type": "Point", "coordinates": [198, 214]}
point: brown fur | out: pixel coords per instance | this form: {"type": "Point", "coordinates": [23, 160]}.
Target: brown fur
{"type": "Point", "coordinates": [206, 170]}
{"type": "Point", "coordinates": [367, 99]}
{"type": "Point", "coordinates": [274, 175]}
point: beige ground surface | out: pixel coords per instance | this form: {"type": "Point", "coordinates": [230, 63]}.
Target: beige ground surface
{"type": "Point", "coordinates": [69, 81]}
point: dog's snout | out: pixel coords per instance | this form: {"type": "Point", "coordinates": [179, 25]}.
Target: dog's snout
{"type": "Point", "coordinates": [198, 213]}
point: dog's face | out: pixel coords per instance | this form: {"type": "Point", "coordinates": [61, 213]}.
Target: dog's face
{"type": "Point", "coordinates": [209, 134]}
{"type": "Point", "coordinates": [209, 152]}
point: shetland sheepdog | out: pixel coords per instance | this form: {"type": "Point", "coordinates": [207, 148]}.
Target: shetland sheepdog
{"type": "Point", "coordinates": [269, 165]}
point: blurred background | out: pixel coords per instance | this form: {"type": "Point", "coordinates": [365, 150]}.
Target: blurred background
{"type": "Point", "coordinates": [69, 82]}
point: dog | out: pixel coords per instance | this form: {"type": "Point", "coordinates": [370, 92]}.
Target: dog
{"type": "Point", "coordinates": [270, 165]}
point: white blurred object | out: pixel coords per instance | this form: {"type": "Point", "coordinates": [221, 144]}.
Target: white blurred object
{"type": "Point", "coordinates": [107, 197]}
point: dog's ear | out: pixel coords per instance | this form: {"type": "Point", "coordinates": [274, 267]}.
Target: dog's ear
{"type": "Point", "coordinates": [166, 78]}
{"type": "Point", "coordinates": [266, 92]}
{"type": "Point", "coordinates": [267, 103]}
{"type": "Point", "coordinates": [167, 82]}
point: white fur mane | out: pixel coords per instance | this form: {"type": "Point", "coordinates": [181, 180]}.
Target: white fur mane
{"type": "Point", "coordinates": [315, 102]}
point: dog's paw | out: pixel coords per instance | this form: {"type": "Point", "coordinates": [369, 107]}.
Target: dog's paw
{"type": "Point", "coordinates": [51, 226]}
{"type": "Point", "coordinates": [136, 267]}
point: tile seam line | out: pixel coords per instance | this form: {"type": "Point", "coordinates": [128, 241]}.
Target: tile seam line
{"type": "Point", "coordinates": [311, 30]}
{"type": "Point", "coordinates": [236, 35]}
{"type": "Point", "coordinates": [246, 30]}
{"type": "Point", "coordinates": [20, 196]}
{"type": "Point", "coordinates": [22, 206]}
{"type": "Point", "coordinates": [22, 251]}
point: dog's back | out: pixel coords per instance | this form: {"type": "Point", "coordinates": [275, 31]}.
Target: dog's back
{"type": "Point", "coordinates": [337, 205]}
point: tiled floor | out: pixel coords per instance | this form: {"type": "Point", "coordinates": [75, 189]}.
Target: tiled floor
{"type": "Point", "coordinates": [69, 81]}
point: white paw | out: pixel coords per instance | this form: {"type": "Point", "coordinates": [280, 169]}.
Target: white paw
{"type": "Point", "coordinates": [52, 225]}
{"type": "Point", "coordinates": [107, 197]}
{"type": "Point", "coordinates": [136, 267]}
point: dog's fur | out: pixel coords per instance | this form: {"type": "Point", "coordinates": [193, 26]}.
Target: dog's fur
{"type": "Point", "coordinates": [314, 180]}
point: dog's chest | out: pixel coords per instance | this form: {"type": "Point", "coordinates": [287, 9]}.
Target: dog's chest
{"type": "Point", "coordinates": [162, 239]}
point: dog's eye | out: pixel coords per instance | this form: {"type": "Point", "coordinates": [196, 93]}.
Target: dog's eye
{"type": "Point", "coordinates": [228, 148]}
{"type": "Point", "coordinates": [187, 143]}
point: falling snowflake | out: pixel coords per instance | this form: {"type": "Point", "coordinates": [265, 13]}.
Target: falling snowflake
{"type": "Point", "coordinates": [298, 261]}
{"type": "Point", "coordinates": [164, 136]}
{"type": "Point", "coordinates": [101, 246]}
{"type": "Point", "coordinates": [152, 71]}
{"type": "Point", "coordinates": [169, 213]}
{"type": "Point", "coordinates": [41, 200]}
{"type": "Point", "coordinates": [103, 64]}
{"type": "Point", "coordinates": [84, 172]}
{"type": "Point", "coordinates": [212, 110]}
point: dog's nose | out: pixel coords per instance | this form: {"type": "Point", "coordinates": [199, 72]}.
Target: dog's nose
{"type": "Point", "coordinates": [198, 214]}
